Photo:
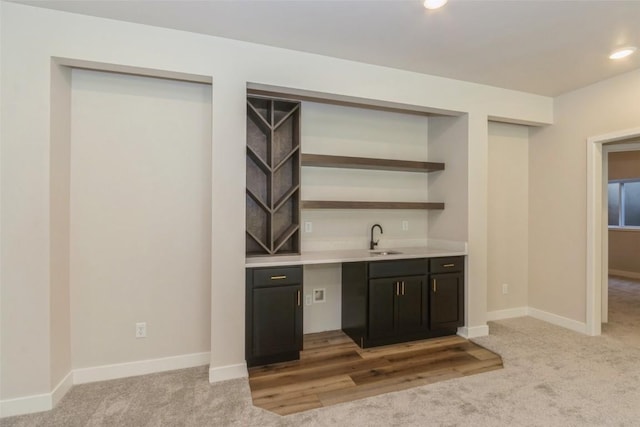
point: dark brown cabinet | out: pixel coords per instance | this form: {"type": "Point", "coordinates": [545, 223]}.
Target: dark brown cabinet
{"type": "Point", "coordinates": [446, 299]}
{"type": "Point", "coordinates": [385, 302]}
{"type": "Point", "coordinates": [396, 306]}
{"type": "Point", "coordinates": [273, 314]}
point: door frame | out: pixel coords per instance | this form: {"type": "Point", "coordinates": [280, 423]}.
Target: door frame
{"type": "Point", "coordinates": [598, 148]}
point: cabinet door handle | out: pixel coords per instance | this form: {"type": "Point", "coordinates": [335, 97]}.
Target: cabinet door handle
{"type": "Point", "coordinates": [298, 298]}
{"type": "Point", "coordinates": [403, 287]}
{"type": "Point", "coordinates": [278, 277]}
{"type": "Point", "coordinates": [448, 265]}
{"type": "Point", "coordinates": [435, 286]}
{"type": "Point", "coordinates": [397, 288]}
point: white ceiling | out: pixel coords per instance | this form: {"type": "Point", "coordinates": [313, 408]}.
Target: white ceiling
{"type": "Point", "coordinates": [538, 46]}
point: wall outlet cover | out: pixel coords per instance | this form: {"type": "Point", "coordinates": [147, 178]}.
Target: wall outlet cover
{"type": "Point", "coordinates": [141, 330]}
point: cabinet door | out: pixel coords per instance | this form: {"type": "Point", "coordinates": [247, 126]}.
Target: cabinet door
{"type": "Point", "coordinates": [382, 312]}
{"type": "Point", "coordinates": [446, 308]}
{"type": "Point", "coordinates": [276, 320]}
{"type": "Point", "coordinates": [396, 306]}
{"type": "Point", "coordinates": [410, 303]}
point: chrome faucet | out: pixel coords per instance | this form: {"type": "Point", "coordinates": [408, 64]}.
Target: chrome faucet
{"type": "Point", "coordinates": [372, 243]}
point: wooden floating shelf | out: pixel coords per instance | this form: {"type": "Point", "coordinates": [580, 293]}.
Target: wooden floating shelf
{"type": "Point", "coordinates": [321, 160]}
{"type": "Point", "coordinates": [329, 204]}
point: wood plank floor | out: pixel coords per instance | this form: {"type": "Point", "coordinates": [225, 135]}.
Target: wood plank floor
{"type": "Point", "coordinates": [333, 369]}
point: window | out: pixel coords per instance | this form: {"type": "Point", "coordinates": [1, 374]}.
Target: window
{"type": "Point", "coordinates": [624, 203]}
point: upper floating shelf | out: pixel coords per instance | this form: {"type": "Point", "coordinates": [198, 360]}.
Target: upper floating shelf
{"type": "Point", "coordinates": [320, 160]}
{"type": "Point", "coordinates": [335, 204]}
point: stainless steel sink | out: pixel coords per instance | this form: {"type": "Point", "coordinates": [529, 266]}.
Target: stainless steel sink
{"type": "Point", "coordinates": [385, 253]}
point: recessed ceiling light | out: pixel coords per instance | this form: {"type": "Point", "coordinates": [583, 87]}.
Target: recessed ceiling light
{"type": "Point", "coordinates": [434, 4]}
{"type": "Point", "coordinates": [623, 52]}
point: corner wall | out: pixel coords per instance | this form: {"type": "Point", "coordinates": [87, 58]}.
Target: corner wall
{"type": "Point", "coordinates": [557, 190]}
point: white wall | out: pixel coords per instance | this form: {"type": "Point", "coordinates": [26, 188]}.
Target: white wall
{"type": "Point", "coordinates": [140, 217]}
{"type": "Point", "coordinates": [30, 37]}
{"type": "Point", "coordinates": [557, 190]}
{"type": "Point", "coordinates": [449, 144]}
{"type": "Point", "coordinates": [508, 216]}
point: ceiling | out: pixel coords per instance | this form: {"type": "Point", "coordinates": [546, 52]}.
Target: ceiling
{"type": "Point", "coordinates": [537, 46]}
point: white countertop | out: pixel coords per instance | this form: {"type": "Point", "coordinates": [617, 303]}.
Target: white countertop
{"type": "Point", "coordinates": [351, 255]}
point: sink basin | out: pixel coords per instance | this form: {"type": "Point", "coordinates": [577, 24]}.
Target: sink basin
{"type": "Point", "coordinates": [385, 253]}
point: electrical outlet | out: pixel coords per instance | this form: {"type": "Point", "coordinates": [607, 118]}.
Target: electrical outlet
{"type": "Point", "coordinates": [505, 288]}
{"type": "Point", "coordinates": [308, 300]}
{"type": "Point", "coordinates": [308, 227]}
{"type": "Point", "coordinates": [141, 330]}
{"type": "Point", "coordinates": [405, 225]}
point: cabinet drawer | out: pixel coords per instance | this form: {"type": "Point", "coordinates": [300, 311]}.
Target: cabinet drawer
{"type": "Point", "coordinates": [446, 264]}
{"type": "Point", "coordinates": [405, 267]}
{"type": "Point", "coordinates": [275, 276]}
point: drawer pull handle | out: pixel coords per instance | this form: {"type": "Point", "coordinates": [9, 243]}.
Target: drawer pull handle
{"type": "Point", "coordinates": [278, 277]}
{"type": "Point", "coordinates": [435, 286]}
{"type": "Point", "coordinates": [448, 265]}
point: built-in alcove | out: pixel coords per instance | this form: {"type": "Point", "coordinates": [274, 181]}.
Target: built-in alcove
{"type": "Point", "coordinates": [363, 162]}
{"type": "Point", "coordinates": [130, 219]}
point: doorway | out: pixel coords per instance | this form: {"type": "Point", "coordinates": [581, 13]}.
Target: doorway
{"type": "Point", "coordinates": [598, 148]}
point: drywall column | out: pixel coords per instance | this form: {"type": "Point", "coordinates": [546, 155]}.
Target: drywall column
{"type": "Point", "coordinates": [25, 265]}
{"type": "Point", "coordinates": [59, 222]}
{"type": "Point", "coordinates": [476, 283]}
{"type": "Point", "coordinates": [228, 228]}
{"type": "Point", "coordinates": [508, 229]}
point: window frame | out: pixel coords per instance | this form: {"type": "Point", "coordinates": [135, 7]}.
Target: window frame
{"type": "Point", "coordinates": [621, 205]}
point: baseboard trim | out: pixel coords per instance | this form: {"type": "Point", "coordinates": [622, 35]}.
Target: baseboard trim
{"type": "Point", "coordinates": [229, 372]}
{"type": "Point", "coordinates": [61, 389]}
{"type": "Point", "coordinates": [622, 273]}
{"type": "Point", "coordinates": [508, 313]}
{"type": "Point", "coordinates": [554, 319]}
{"type": "Point", "coordinates": [473, 331]}
{"type": "Point", "coordinates": [38, 402]}
{"type": "Point", "coordinates": [141, 367]}
{"type": "Point", "coordinates": [25, 405]}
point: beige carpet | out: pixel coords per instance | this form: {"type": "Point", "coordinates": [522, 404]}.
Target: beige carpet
{"type": "Point", "coordinates": [552, 377]}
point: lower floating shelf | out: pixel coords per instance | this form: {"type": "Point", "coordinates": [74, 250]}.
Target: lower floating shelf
{"type": "Point", "coordinates": [335, 204]}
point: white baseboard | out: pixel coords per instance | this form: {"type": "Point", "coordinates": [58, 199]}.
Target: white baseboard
{"type": "Point", "coordinates": [46, 401]}
{"type": "Point", "coordinates": [36, 403]}
{"type": "Point", "coordinates": [473, 331]}
{"type": "Point", "coordinates": [622, 273]}
{"type": "Point", "coordinates": [61, 389]}
{"type": "Point", "coordinates": [554, 319]}
{"type": "Point", "coordinates": [508, 313]}
{"type": "Point", "coordinates": [25, 405]}
{"type": "Point", "coordinates": [141, 367]}
{"type": "Point", "coordinates": [229, 372]}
